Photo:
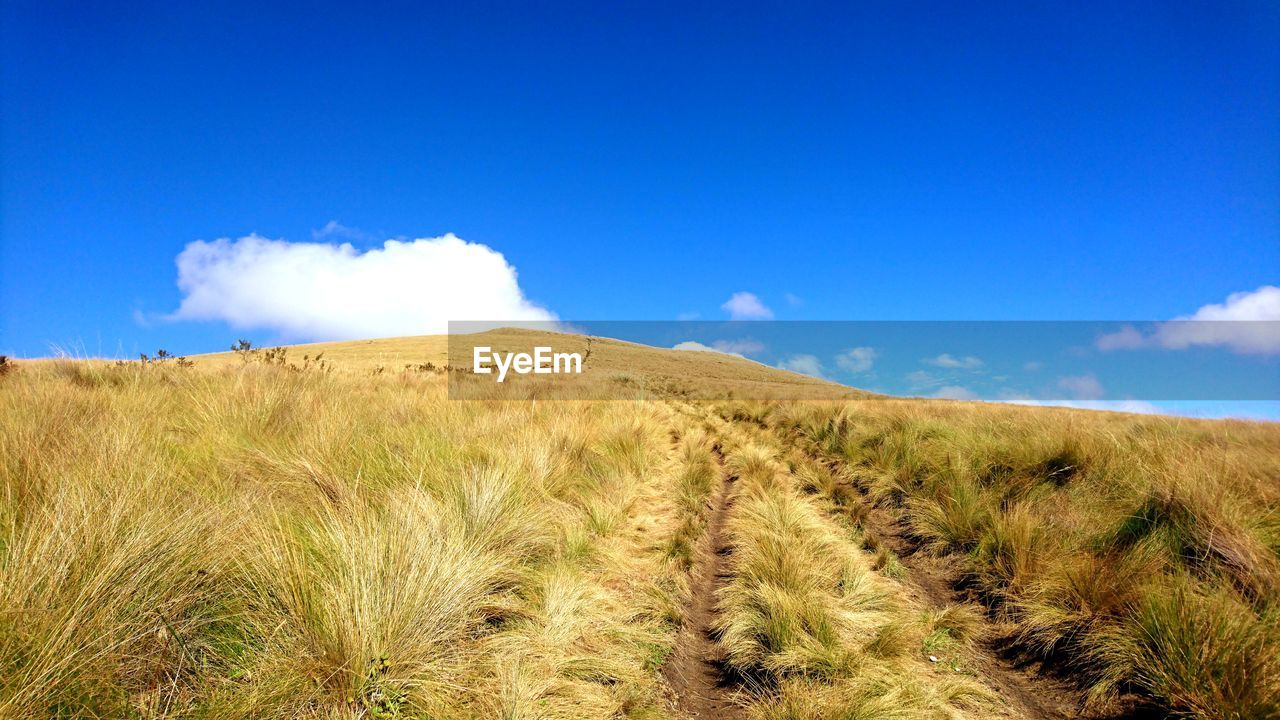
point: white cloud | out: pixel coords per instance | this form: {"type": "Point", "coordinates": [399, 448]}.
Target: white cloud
{"type": "Point", "coordinates": [323, 291]}
{"type": "Point", "coordinates": [1081, 387]}
{"type": "Point", "coordinates": [694, 346]}
{"type": "Point", "coordinates": [804, 364]}
{"type": "Point", "coordinates": [946, 360]}
{"type": "Point", "coordinates": [745, 346]}
{"type": "Point", "coordinates": [794, 300]}
{"type": "Point", "coordinates": [1246, 323]}
{"type": "Point", "coordinates": [1141, 407]}
{"type": "Point", "coordinates": [919, 379]}
{"type": "Point", "coordinates": [687, 316]}
{"type": "Point", "coordinates": [856, 360]}
{"type": "Point", "coordinates": [746, 306]}
{"type": "Point", "coordinates": [1126, 338]}
{"type": "Point", "coordinates": [1261, 304]}
{"type": "Point", "coordinates": [954, 392]}
{"type": "Point", "coordinates": [1032, 365]}
{"type": "Point", "coordinates": [740, 348]}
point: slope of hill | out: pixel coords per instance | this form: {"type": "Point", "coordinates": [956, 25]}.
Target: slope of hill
{"type": "Point", "coordinates": [261, 535]}
{"type": "Point", "coordinates": [699, 373]}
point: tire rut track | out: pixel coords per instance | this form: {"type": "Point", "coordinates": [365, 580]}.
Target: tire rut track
{"type": "Point", "coordinates": [930, 580]}
{"type": "Point", "coordinates": [934, 581]}
{"type": "Point", "coordinates": [697, 669]}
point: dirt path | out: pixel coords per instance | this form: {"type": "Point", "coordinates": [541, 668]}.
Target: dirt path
{"type": "Point", "coordinates": [1022, 681]}
{"type": "Point", "coordinates": [931, 581]}
{"type": "Point", "coordinates": [705, 689]}
{"type": "Point", "coordinates": [696, 669]}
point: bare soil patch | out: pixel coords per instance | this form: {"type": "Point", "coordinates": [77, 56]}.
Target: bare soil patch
{"type": "Point", "coordinates": [697, 671]}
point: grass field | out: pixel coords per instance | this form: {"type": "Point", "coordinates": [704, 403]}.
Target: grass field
{"type": "Point", "coordinates": [280, 537]}
{"type": "Point", "coordinates": [1136, 553]}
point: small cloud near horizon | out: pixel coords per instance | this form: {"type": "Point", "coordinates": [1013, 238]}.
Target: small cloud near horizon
{"type": "Point", "coordinates": [947, 360]}
{"type": "Point", "coordinates": [1081, 387]}
{"type": "Point", "coordinates": [739, 348]}
{"type": "Point", "coordinates": [1140, 407]}
{"type": "Point", "coordinates": [695, 346]}
{"type": "Point", "coordinates": [954, 392]}
{"type": "Point", "coordinates": [921, 379]}
{"type": "Point", "coordinates": [804, 364]}
{"type": "Point", "coordinates": [745, 346]}
{"type": "Point", "coordinates": [856, 360]}
{"type": "Point", "coordinates": [746, 306]}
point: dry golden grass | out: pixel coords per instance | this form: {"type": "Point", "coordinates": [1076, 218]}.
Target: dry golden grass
{"type": "Point", "coordinates": [1133, 551]}
{"type": "Point", "coordinates": [245, 539]}
{"type": "Point", "coordinates": [809, 620]}
{"type": "Point", "coordinates": [256, 542]}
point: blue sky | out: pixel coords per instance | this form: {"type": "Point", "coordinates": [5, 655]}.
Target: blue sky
{"type": "Point", "coordinates": [885, 161]}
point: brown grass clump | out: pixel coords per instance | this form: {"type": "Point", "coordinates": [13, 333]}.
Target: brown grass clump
{"type": "Point", "coordinates": [696, 476]}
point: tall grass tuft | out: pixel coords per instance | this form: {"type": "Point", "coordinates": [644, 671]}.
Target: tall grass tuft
{"type": "Point", "coordinates": [1133, 551]}
{"type": "Point", "coordinates": [257, 540]}
{"type": "Point", "coordinates": [806, 616]}
{"type": "Point", "coordinates": [1206, 652]}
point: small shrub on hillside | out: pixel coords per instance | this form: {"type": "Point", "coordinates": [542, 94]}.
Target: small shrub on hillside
{"type": "Point", "coordinates": [164, 357]}
{"type": "Point", "coordinates": [244, 349]}
{"type": "Point", "coordinates": [426, 367]}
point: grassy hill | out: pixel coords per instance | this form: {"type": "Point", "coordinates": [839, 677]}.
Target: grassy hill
{"type": "Point", "coordinates": [699, 373]}
{"type": "Point", "coordinates": [264, 535]}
